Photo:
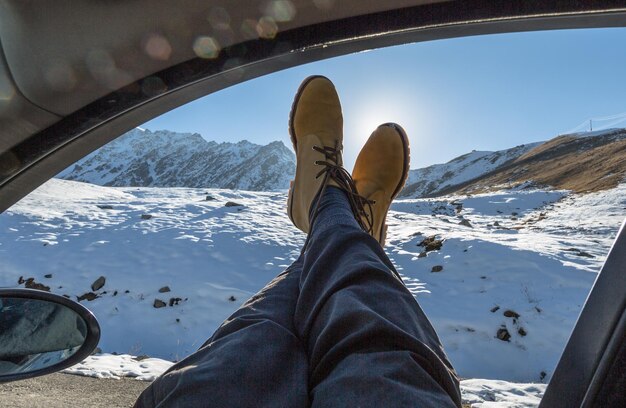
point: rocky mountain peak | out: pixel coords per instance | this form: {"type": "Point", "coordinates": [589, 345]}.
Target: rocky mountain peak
{"type": "Point", "coordinates": [170, 159]}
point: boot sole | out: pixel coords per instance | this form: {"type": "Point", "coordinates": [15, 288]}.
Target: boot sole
{"type": "Point", "coordinates": [292, 135]}
{"type": "Point", "coordinates": [405, 175]}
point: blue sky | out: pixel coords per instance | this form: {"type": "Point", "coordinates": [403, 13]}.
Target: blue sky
{"type": "Point", "coordinates": [451, 96]}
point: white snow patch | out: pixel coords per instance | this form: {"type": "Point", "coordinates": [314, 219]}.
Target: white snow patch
{"type": "Point", "coordinates": [480, 393]}
{"type": "Point", "coordinates": [117, 366]}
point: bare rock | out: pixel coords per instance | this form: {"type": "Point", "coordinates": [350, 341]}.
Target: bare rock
{"type": "Point", "coordinates": [174, 301]}
{"type": "Point", "coordinates": [105, 207]}
{"type": "Point", "coordinates": [511, 313]}
{"type": "Point", "coordinates": [158, 303]}
{"type": "Point", "coordinates": [495, 309]}
{"type": "Point", "coordinates": [232, 298]}
{"type": "Point", "coordinates": [578, 252]}
{"type": "Point", "coordinates": [232, 204]}
{"type": "Point", "coordinates": [437, 268]}
{"type": "Point", "coordinates": [31, 284]}
{"type": "Point", "coordinates": [465, 223]}
{"type": "Point", "coordinates": [89, 296]}
{"type": "Point", "coordinates": [164, 289]}
{"type": "Point", "coordinates": [431, 243]}
{"type": "Point", "coordinates": [98, 283]}
{"type": "Point", "coordinates": [146, 216]}
{"type": "Point", "coordinates": [503, 334]}
{"type": "Point", "coordinates": [522, 332]}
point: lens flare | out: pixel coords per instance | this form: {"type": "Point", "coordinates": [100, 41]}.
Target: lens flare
{"type": "Point", "coordinates": [206, 47]}
{"type": "Point", "coordinates": [280, 10]}
{"type": "Point", "coordinates": [157, 47]}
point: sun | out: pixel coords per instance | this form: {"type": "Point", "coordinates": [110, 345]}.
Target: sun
{"type": "Point", "coordinates": [363, 116]}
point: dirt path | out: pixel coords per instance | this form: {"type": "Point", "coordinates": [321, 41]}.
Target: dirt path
{"type": "Point", "coordinates": [65, 390]}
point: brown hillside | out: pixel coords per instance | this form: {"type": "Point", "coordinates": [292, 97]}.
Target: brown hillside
{"type": "Point", "coordinates": [566, 162]}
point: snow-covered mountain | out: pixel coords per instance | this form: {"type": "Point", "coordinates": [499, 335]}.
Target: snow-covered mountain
{"type": "Point", "coordinates": [169, 159]}
{"type": "Point", "coordinates": [582, 162]}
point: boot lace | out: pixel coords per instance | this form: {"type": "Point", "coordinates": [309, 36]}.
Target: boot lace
{"type": "Point", "coordinates": [361, 206]}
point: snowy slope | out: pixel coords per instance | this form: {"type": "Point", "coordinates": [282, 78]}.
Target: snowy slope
{"type": "Point", "coordinates": [429, 180]}
{"type": "Point", "coordinates": [530, 253]}
{"type": "Point", "coordinates": [170, 159]}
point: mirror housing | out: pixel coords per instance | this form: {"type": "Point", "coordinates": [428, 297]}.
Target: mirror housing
{"type": "Point", "coordinates": [41, 333]}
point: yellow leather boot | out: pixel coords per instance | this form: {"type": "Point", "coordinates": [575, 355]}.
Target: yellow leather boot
{"type": "Point", "coordinates": [380, 172]}
{"type": "Point", "coordinates": [316, 130]}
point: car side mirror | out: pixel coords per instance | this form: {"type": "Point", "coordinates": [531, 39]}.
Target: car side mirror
{"type": "Point", "coordinates": [41, 333]}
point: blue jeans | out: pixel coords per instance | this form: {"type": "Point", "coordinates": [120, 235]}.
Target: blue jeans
{"type": "Point", "coordinates": [338, 328]}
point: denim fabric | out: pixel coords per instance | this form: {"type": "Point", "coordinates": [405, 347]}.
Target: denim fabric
{"type": "Point", "coordinates": [338, 328]}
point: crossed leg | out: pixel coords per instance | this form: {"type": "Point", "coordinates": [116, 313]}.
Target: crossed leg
{"type": "Point", "coordinates": [337, 328]}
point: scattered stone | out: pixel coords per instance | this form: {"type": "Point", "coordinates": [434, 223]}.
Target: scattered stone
{"type": "Point", "coordinates": [542, 375]}
{"type": "Point", "coordinates": [105, 207]}
{"type": "Point", "coordinates": [141, 357]}
{"type": "Point", "coordinates": [483, 277]}
{"type": "Point", "coordinates": [416, 234]}
{"type": "Point", "coordinates": [511, 313]}
{"type": "Point", "coordinates": [31, 284]}
{"type": "Point", "coordinates": [48, 276]}
{"type": "Point", "coordinates": [209, 198]}
{"type": "Point", "coordinates": [174, 301]}
{"type": "Point", "coordinates": [127, 291]}
{"type": "Point", "coordinates": [232, 298]}
{"type": "Point", "coordinates": [431, 243]}
{"type": "Point", "coordinates": [158, 303]}
{"type": "Point", "coordinates": [177, 320]}
{"type": "Point", "coordinates": [115, 293]}
{"type": "Point", "coordinates": [89, 296]}
{"type": "Point", "coordinates": [469, 329]}
{"type": "Point", "coordinates": [437, 268]}
{"type": "Point", "coordinates": [45, 244]}
{"type": "Point", "coordinates": [465, 223]}
{"type": "Point", "coordinates": [514, 214]}
{"type": "Point", "coordinates": [98, 283]}
{"type": "Point", "coordinates": [164, 289]}
{"type": "Point", "coordinates": [146, 216]}
{"type": "Point", "coordinates": [522, 332]}
{"type": "Point", "coordinates": [232, 204]}
{"type": "Point", "coordinates": [20, 280]}
{"type": "Point", "coordinates": [538, 309]}
{"type": "Point", "coordinates": [503, 334]}
{"type": "Point", "coordinates": [422, 254]}
{"type": "Point", "coordinates": [579, 252]}
{"type": "Point", "coordinates": [495, 309]}
{"type": "Point", "coordinates": [496, 224]}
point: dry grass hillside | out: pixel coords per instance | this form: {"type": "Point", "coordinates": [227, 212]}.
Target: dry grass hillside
{"type": "Point", "coordinates": [580, 164]}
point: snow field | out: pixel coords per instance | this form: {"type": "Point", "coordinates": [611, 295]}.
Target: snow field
{"type": "Point", "coordinates": [533, 254]}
